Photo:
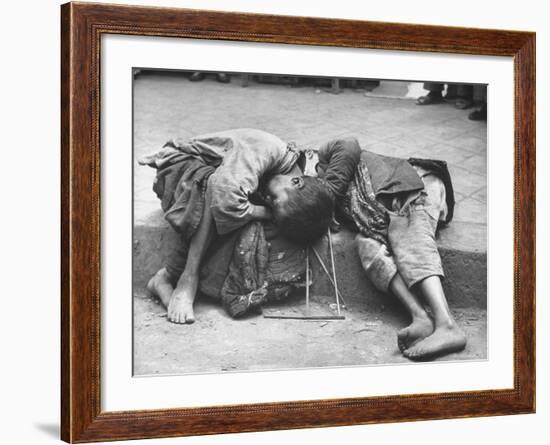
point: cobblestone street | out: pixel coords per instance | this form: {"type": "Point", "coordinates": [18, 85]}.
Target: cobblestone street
{"type": "Point", "coordinates": [168, 105]}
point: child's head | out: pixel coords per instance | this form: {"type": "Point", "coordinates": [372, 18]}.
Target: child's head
{"type": "Point", "coordinates": [302, 207]}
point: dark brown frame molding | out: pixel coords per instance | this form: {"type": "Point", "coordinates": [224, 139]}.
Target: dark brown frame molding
{"type": "Point", "coordinates": [82, 25]}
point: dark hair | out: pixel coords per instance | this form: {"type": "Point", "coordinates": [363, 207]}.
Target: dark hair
{"type": "Point", "coordinates": [307, 213]}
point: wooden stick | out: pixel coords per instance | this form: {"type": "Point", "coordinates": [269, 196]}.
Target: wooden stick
{"type": "Point", "coordinates": [333, 271]}
{"type": "Point", "coordinates": [324, 267]}
{"type": "Point", "coordinates": [307, 277]}
{"type": "Point", "coordinates": [306, 317]}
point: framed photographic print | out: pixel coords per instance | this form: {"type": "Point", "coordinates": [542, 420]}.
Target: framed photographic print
{"type": "Point", "coordinates": [274, 222]}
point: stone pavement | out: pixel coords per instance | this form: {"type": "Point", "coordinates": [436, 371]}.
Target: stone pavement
{"type": "Point", "coordinates": [168, 105]}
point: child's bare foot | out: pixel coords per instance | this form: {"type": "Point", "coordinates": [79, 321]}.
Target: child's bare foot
{"type": "Point", "coordinates": [419, 329]}
{"type": "Point", "coordinates": [444, 340]}
{"type": "Point", "coordinates": [180, 308]}
{"type": "Point", "coordinates": [159, 286]}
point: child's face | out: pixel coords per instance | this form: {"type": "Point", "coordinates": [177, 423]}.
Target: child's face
{"type": "Point", "coordinates": [279, 186]}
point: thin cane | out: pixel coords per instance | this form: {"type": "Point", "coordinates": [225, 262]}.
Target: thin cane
{"type": "Point", "coordinates": [333, 271]}
{"type": "Point", "coordinates": [327, 272]}
{"type": "Point", "coordinates": [307, 277]}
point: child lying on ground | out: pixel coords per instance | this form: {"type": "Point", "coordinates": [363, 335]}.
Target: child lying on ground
{"type": "Point", "coordinates": [205, 184]}
{"type": "Point", "coordinates": [396, 205]}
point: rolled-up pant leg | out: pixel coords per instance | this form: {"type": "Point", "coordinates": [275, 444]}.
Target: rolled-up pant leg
{"type": "Point", "coordinates": [412, 239]}
{"type": "Point", "coordinates": [376, 261]}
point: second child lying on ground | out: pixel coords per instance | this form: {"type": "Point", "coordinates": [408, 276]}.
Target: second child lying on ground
{"type": "Point", "coordinates": [397, 206]}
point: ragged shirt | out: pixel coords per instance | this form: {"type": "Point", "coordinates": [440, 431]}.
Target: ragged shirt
{"type": "Point", "coordinates": [241, 158]}
{"type": "Point", "coordinates": [378, 184]}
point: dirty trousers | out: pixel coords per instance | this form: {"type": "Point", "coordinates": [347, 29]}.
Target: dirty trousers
{"type": "Point", "coordinates": [411, 235]}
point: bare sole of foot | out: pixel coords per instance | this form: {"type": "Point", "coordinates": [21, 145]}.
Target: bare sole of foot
{"type": "Point", "coordinates": [418, 330]}
{"type": "Point", "coordinates": [444, 340]}
{"type": "Point", "coordinates": [159, 286]}
{"type": "Point", "coordinates": [180, 308]}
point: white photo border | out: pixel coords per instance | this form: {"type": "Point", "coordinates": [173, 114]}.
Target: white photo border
{"type": "Point", "coordinates": [120, 391]}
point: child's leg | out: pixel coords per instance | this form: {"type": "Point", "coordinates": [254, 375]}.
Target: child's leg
{"type": "Point", "coordinates": [412, 237]}
{"type": "Point", "coordinates": [160, 286]}
{"type": "Point", "coordinates": [382, 272]}
{"type": "Point", "coordinates": [419, 263]}
{"type": "Point", "coordinates": [421, 325]}
{"type": "Point", "coordinates": [447, 336]}
{"type": "Point", "coordinates": [180, 306]}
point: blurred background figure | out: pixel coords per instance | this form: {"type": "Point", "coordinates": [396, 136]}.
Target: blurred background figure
{"type": "Point", "coordinates": [461, 94]}
{"type": "Point", "coordinates": [480, 94]}
{"type": "Point", "coordinates": [220, 77]}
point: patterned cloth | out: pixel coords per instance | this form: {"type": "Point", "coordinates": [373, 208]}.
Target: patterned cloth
{"type": "Point", "coordinates": [360, 205]}
{"type": "Point", "coordinates": [243, 270]}
{"type": "Point", "coordinates": [259, 271]}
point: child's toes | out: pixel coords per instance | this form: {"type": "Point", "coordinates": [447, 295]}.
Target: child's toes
{"type": "Point", "coordinates": [403, 339]}
{"type": "Point", "coordinates": [416, 353]}
{"type": "Point", "coordinates": [410, 353]}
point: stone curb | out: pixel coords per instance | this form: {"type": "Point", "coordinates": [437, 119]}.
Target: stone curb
{"type": "Point", "coordinates": [464, 262]}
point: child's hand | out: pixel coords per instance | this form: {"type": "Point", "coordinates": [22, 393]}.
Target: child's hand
{"type": "Point", "coordinates": [261, 213]}
{"type": "Point", "coordinates": [335, 226]}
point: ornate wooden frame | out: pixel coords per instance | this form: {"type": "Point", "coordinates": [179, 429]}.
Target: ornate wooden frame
{"type": "Point", "coordinates": [81, 28]}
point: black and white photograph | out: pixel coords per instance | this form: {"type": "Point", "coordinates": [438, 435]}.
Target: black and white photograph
{"type": "Point", "coordinates": [284, 221]}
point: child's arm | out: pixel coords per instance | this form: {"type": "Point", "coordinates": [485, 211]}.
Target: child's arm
{"type": "Point", "coordinates": [338, 160]}
{"type": "Point", "coordinates": [260, 213]}
{"type": "Point", "coordinates": [231, 185]}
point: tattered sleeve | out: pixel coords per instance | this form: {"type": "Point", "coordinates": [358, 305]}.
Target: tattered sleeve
{"type": "Point", "coordinates": [233, 182]}
{"type": "Point", "coordinates": [338, 160]}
